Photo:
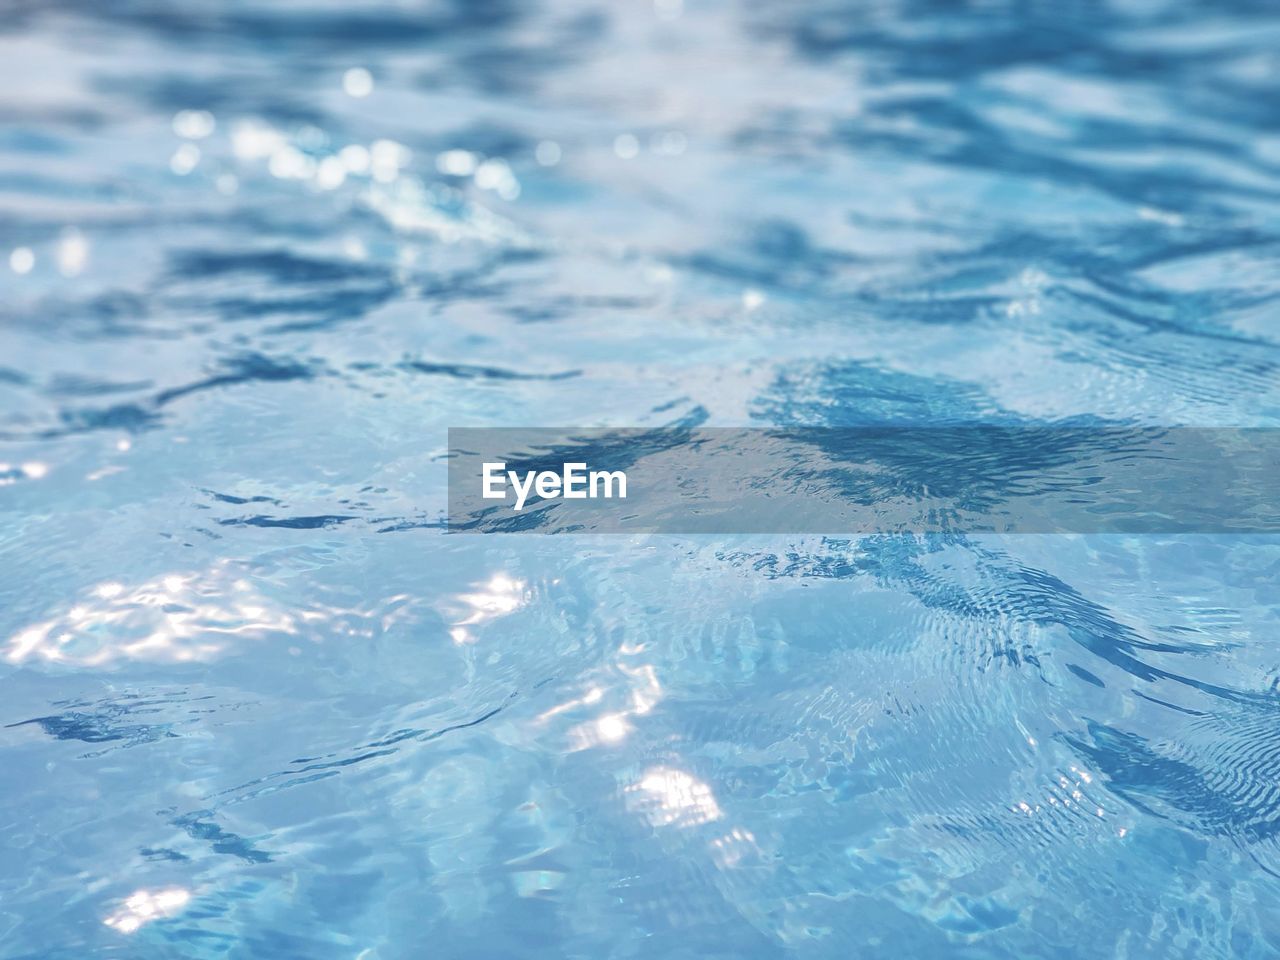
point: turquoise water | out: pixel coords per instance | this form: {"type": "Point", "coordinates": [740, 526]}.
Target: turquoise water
{"type": "Point", "coordinates": [261, 256]}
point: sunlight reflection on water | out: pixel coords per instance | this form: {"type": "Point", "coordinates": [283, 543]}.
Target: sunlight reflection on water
{"type": "Point", "coordinates": [259, 256]}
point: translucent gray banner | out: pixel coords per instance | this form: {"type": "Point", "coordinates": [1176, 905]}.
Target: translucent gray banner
{"type": "Point", "coordinates": [1015, 479]}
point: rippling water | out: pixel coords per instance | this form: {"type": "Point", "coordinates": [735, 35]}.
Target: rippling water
{"type": "Point", "coordinates": [262, 254]}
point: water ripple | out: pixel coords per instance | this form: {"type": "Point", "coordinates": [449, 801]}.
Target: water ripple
{"type": "Point", "coordinates": [258, 256]}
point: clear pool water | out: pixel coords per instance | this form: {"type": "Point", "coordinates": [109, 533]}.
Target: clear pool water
{"type": "Point", "coordinates": [261, 255]}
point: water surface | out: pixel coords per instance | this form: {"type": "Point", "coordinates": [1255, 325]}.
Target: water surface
{"type": "Point", "coordinates": [261, 255]}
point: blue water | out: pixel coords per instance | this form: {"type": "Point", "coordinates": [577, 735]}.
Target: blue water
{"type": "Point", "coordinates": [259, 256]}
